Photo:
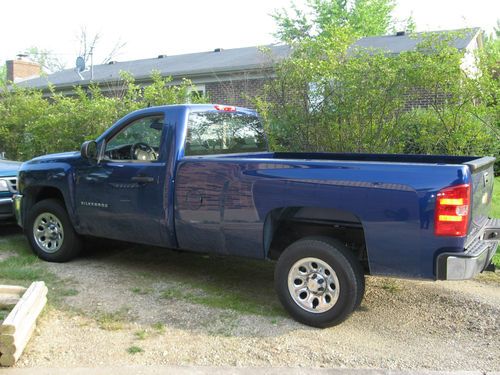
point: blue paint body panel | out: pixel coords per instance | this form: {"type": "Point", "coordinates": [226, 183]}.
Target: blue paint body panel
{"type": "Point", "coordinates": [9, 168]}
{"type": "Point", "coordinates": [394, 204]}
{"type": "Point", "coordinates": [220, 203]}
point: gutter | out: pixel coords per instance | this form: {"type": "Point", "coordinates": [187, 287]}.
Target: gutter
{"type": "Point", "coordinates": [197, 78]}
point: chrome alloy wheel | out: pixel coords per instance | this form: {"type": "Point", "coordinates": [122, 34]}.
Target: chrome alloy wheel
{"type": "Point", "coordinates": [313, 285]}
{"type": "Point", "coordinates": [48, 232]}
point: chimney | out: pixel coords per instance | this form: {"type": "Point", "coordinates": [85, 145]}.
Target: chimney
{"type": "Point", "coordinates": [18, 70]}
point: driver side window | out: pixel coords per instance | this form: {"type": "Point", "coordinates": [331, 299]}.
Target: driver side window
{"type": "Point", "coordinates": [138, 141]}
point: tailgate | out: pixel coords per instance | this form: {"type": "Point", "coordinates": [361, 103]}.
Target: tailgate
{"type": "Point", "coordinates": [482, 190]}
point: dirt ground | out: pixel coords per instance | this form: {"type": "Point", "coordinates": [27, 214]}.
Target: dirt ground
{"type": "Point", "coordinates": [138, 305]}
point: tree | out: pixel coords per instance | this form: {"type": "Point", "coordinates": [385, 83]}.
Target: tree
{"type": "Point", "coordinates": [47, 60]}
{"type": "Point", "coordinates": [3, 75]}
{"type": "Point", "coordinates": [490, 54]}
{"type": "Point", "coordinates": [32, 124]}
{"type": "Point", "coordinates": [362, 17]}
{"type": "Point", "coordinates": [489, 78]}
{"type": "Point", "coordinates": [88, 43]}
{"type": "Point", "coordinates": [50, 62]}
{"type": "Point", "coordinates": [328, 97]}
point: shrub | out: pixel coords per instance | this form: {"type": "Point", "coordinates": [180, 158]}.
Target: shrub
{"type": "Point", "coordinates": [329, 97]}
{"type": "Point", "coordinates": [32, 125]}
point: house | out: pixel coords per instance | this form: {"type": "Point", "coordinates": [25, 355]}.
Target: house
{"type": "Point", "coordinates": [231, 75]}
{"type": "Point", "coordinates": [225, 75]}
{"type": "Point", "coordinates": [466, 41]}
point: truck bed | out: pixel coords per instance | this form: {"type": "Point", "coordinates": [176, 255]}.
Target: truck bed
{"type": "Point", "coordinates": [228, 198]}
{"type": "Point", "coordinates": [474, 162]}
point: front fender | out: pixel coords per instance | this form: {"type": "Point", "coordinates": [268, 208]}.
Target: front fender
{"type": "Point", "coordinates": [39, 181]}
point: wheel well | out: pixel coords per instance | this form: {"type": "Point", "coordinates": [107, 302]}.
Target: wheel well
{"type": "Point", "coordinates": [48, 193]}
{"type": "Point", "coordinates": [37, 194]}
{"type": "Point", "coordinates": [284, 226]}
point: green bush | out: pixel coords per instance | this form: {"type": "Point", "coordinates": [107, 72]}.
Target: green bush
{"type": "Point", "coordinates": [328, 97]}
{"type": "Point", "coordinates": [32, 125]}
{"type": "Point", "coordinates": [451, 132]}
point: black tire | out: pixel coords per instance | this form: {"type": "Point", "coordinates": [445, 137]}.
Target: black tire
{"type": "Point", "coordinates": [346, 268]}
{"type": "Point", "coordinates": [70, 243]}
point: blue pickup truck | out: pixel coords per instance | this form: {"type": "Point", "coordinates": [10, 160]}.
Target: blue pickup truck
{"type": "Point", "coordinates": [200, 178]}
{"type": "Point", "coordinates": [8, 187]}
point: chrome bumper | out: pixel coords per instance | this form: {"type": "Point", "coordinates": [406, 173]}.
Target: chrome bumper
{"type": "Point", "coordinates": [6, 208]}
{"type": "Point", "coordinates": [18, 199]}
{"type": "Point", "coordinates": [476, 257]}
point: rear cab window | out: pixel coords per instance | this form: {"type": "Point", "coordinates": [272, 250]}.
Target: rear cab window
{"type": "Point", "coordinates": [216, 132]}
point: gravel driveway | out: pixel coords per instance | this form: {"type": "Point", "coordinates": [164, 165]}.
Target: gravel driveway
{"type": "Point", "coordinates": [159, 303]}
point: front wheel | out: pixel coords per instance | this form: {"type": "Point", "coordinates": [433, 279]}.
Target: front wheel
{"type": "Point", "coordinates": [50, 232]}
{"type": "Point", "coordinates": [319, 281]}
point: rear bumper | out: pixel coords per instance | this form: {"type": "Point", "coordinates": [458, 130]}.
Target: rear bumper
{"type": "Point", "coordinates": [475, 258]}
{"type": "Point", "coordinates": [6, 211]}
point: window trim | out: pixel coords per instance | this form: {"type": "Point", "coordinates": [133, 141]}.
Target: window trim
{"type": "Point", "coordinates": [125, 125]}
{"type": "Point", "coordinates": [257, 117]}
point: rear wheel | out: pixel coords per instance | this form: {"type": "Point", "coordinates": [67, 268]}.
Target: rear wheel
{"type": "Point", "coordinates": [319, 281]}
{"type": "Point", "coordinates": [50, 232]}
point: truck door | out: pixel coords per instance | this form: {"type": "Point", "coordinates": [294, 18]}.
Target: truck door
{"type": "Point", "coordinates": [121, 197]}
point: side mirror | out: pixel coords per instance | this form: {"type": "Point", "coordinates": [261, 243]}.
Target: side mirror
{"type": "Point", "coordinates": [89, 150]}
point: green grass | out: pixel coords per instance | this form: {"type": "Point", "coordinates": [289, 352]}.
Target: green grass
{"type": "Point", "coordinates": [141, 335]}
{"type": "Point", "coordinates": [223, 282]}
{"type": "Point", "coordinates": [134, 350]}
{"type": "Point", "coordinates": [495, 212]}
{"type": "Point", "coordinates": [228, 283]}
{"type": "Point", "coordinates": [3, 314]}
{"type": "Point", "coordinates": [495, 204]}
{"type": "Point", "coordinates": [141, 291]}
{"type": "Point", "coordinates": [391, 286]}
{"type": "Point", "coordinates": [218, 297]}
{"type": "Point", "coordinates": [68, 292]}
{"type": "Point", "coordinates": [113, 321]}
{"type": "Point", "coordinates": [23, 267]}
{"type": "Point", "coordinates": [159, 327]}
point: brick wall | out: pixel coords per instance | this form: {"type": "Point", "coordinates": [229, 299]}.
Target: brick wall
{"type": "Point", "coordinates": [239, 92]}
{"type": "Point", "coordinates": [20, 69]}
{"type": "Point", "coordinates": [421, 98]}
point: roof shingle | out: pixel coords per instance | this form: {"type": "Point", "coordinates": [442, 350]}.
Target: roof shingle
{"type": "Point", "coordinates": [229, 60]}
{"type": "Point", "coordinates": [395, 44]}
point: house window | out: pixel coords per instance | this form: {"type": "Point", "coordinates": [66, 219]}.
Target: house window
{"type": "Point", "coordinates": [195, 92]}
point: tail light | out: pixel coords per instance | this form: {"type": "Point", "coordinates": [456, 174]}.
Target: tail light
{"type": "Point", "coordinates": [452, 211]}
{"type": "Point", "coordinates": [225, 108]}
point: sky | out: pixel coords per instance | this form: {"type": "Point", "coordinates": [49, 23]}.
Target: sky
{"type": "Point", "coordinates": [150, 28]}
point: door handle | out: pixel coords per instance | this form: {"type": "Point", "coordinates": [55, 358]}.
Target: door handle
{"type": "Point", "coordinates": [143, 179]}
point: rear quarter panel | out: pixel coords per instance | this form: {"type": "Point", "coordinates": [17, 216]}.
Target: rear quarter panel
{"type": "Point", "coordinates": [222, 203]}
